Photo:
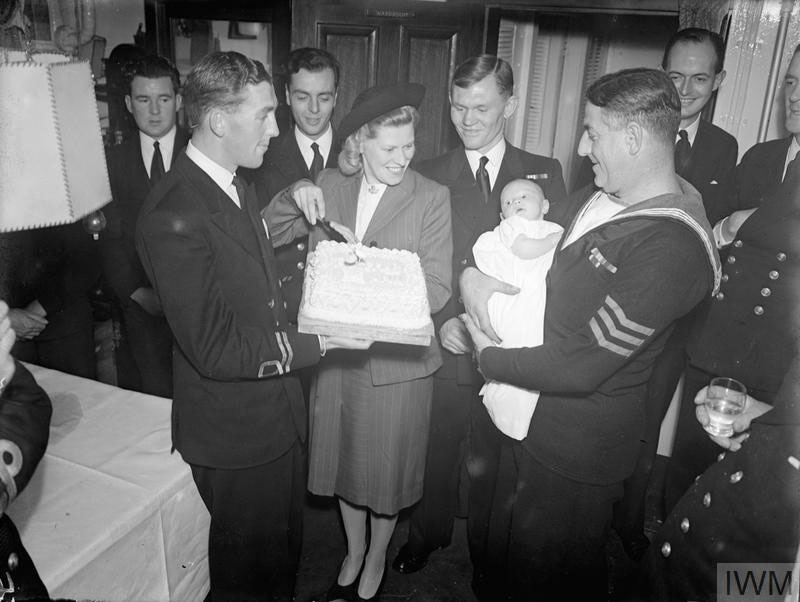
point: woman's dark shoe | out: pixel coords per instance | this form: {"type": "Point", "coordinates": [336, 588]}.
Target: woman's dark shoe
{"type": "Point", "coordinates": [377, 593]}
{"type": "Point", "coordinates": [348, 592]}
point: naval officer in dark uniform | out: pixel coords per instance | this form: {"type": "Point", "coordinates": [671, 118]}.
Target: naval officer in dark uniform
{"type": "Point", "coordinates": [745, 333]}
{"type": "Point", "coordinates": [744, 509]}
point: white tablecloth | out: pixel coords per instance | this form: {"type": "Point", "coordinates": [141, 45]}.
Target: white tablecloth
{"type": "Point", "coordinates": [110, 514]}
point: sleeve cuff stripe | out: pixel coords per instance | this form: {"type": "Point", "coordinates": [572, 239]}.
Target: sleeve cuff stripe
{"type": "Point", "coordinates": [623, 319]}
{"type": "Point", "coordinates": [284, 355]}
{"type": "Point", "coordinates": [280, 344]}
{"type": "Point", "coordinates": [604, 342]}
{"type": "Point", "coordinates": [289, 351]}
{"type": "Point", "coordinates": [265, 369]}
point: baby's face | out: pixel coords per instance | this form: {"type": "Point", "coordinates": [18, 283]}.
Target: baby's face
{"type": "Point", "coordinates": [524, 198]}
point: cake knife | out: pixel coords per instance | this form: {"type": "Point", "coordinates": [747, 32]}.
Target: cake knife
{"type": "Point", "coordinates": [332, 232]}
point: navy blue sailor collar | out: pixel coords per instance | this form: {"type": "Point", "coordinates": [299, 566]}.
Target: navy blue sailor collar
{"type": "Point", "coordinates": [686, 208]}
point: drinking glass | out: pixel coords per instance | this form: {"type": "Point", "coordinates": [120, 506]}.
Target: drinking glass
{"type": "Point", "coordinates": [725, 400]}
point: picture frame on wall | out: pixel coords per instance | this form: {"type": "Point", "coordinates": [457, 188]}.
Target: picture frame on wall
{"type": "Point", "coordinates": [238, 30]}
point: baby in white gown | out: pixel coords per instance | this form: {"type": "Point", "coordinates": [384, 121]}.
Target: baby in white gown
{"type": "Point", "coordinates": [518, 251]}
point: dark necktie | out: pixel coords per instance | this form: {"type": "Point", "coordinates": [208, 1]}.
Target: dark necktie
{"type": "Point", "coordinates": [683, 152]}
{"type": "Point", "coordinates": [241, 190]}
{"type": "Point", "coordinates": [156, 165]}
{"type": "Point", "coordinates": [482, 177]}
{"type": "Point", "coordinates": [316, 163]}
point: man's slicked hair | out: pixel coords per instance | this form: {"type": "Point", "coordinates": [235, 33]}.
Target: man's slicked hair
{"type": "Point", "coordinates": [697, 36]}
{"type": "Point", "coordinates": [645, 96]}
{"type": "Point", "coordinates": [313, 60]}
{"type": "Point", "coordinates": [217, 82]}
{"type": "Point", "coordinates": [151, 66]}
{"type": "Point", "coordinates": [476, 68]}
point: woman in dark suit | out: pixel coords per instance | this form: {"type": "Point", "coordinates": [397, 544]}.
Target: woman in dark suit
{"type": "Point", "coordinates": [370, 410]}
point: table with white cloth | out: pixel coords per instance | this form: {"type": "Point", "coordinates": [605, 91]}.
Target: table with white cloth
{"type": "Point", "coordinates": [110, 513]}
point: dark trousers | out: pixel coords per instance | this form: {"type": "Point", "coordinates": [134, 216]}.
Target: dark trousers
{"type": "Point", "coordinates": [693, 451]}
{"type": "Point", "coordinates": [431, 524]}
{"type": "Point", "coordinates": [150, 343]}
{"type": "Point", "coordinates": [491, 497]}
{"type": "Point", "coordinates": [545, 534]}
{"type": "Point", "coordinates": [66, 344]}
{"type": "Point", "coordinates": [256, 527]}
{"type": "Point", "coordinates": [629, 513]}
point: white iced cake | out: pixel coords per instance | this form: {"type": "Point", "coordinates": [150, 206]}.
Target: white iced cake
{"type": "Point", "coordinates": [365, 292]}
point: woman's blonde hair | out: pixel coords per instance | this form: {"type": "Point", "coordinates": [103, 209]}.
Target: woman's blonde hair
{"type": "Point", "coordinates": [350, 155]}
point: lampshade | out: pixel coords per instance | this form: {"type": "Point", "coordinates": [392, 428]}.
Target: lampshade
{"type": "Point", "coordinates": [52, 165]}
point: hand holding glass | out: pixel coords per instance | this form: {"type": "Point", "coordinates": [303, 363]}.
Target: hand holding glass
{"type": "Point", "coordinates": [725, 400]}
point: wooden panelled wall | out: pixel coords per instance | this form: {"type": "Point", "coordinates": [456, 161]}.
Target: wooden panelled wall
{"type": "Point", "coordinates": [378, 45]}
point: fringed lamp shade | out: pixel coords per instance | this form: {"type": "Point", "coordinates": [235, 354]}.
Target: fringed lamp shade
{"type": "Point", "coordinates": [52, 165]}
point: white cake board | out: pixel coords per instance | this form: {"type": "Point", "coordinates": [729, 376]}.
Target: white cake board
{"type": "Point", "coordinates": [420, 336]}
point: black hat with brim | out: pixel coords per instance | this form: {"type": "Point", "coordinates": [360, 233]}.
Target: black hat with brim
{"type": "Point", "coordinates": [377, 100]}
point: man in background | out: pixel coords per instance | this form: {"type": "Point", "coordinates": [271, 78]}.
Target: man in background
{"type": "Point", "coordinates": [300, 151]}
{"type": "Point", "coordinates": [46, 277]}
{"type": "Point", "coordinates": [481, 100]}
{"type": "Point", "coordinates": [134, 169]}
{"type": "Point", "coordinates": [705, 154]}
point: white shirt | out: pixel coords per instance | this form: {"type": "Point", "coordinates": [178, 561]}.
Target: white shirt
{"type": "Point", "coordinates": [221, 176]}
{"type": "Point", "coordinates": [304, 144]}
{"type": "Point", "coordinates": [367, 204]}
{"type": "Point", "coordinates": [166, 145]}
{"type": "Point", "coordinates": [691, 131]}
{"type": "Point", "coordinates": [794, 148]}
{"type": "Point", "coordinates": [598, 210]}
{"type": "Point", "coordinates": [495, 156]}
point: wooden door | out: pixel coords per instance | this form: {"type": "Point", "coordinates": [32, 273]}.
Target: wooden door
{"type": "Point", "coordinates": [380, 45]}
